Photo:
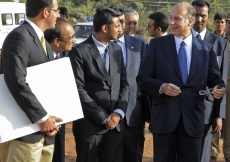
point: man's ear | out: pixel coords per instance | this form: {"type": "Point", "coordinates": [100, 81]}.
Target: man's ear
{"type": "Point", "coordinates": [57, 42]}
{"type": "Point", "coordinates": [45, 12]}
{"type": "Point", "coordinates": [104, 28]}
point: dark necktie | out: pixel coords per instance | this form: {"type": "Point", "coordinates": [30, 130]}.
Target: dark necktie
{"type": "Point", "coordinates": [106, 58]}
{"type": "Point", "coordinates": [198, 36]}
{"type": "Point", "coordinates": [183, 62]}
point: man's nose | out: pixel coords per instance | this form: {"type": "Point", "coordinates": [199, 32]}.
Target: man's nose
{"type": "Point", "coordinates": [198, 18]}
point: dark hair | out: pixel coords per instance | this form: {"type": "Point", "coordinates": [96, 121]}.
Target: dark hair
{"type": "Point", "coordinates": [103, 16]}
{"type": "Point", "coordinates": [64, 11]}
{"type": "Point", "coordinates": [219, 16]}
{"type": "Point", "coordinates": [120, 10]}
{"type": "Point", "coordinates": [160, 20]}
{"type": "Point", "coordinates": [201, 3]}
{"type": "Point", "coordinates": [51, 34]}
{"type": "Point", "coordinates": [34, 7]}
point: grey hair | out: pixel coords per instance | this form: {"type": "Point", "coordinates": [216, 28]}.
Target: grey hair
{"type": "Point", "coordinates": [191, 12]}
{"type": "Point", "coordinates": [130, 12]}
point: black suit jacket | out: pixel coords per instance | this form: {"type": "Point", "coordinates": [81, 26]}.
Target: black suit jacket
{"type": "Point", "coordinates": [21, 49]}
{"type": "Point", "coordinates": [221, 49]}
{"type": "Point", "coordinates": [161, 65]}
{"type": "Point", "coordinates": [100, 92]}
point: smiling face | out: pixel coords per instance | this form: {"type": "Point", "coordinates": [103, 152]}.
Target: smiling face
{"type": "Point", "coordinates": [131, 24]}
{"type": "Point", "coordinates": [179, 22]}
{"type": "Point", "coordinates": [202, 18]}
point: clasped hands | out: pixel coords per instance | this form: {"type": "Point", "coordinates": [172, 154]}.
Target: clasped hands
{"type": "Point", "coordinates": [112, 121]}
{"type": "Point", "coordinates": [48, 127]}
{"type": "Point", "coordinates": [173, 90]}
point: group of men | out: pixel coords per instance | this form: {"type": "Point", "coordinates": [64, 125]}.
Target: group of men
{"type": "Point", "coordinates": [111, 68]}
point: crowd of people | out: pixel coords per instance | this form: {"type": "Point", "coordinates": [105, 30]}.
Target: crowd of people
{"type": "Point", "coordinates": [184, 74]}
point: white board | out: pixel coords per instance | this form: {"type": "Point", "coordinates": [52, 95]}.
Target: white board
{"type": "Point", "coordinates": [54, 85]}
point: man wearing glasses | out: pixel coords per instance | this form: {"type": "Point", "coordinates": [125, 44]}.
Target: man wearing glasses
{"type": "Point", "coordinates": [25, 47]}
{"type": "Point", "coordinates": [61, 38]}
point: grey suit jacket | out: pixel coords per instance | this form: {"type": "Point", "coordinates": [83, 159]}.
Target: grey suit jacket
{"type": "Point", "coordinates": [135, 49]}
{"type": "Point", "coordinates": [221, 49]}
{"type": "Point", "coordinates": [100, 92]}
{"type": "Point", "coordinates": [21, 49]}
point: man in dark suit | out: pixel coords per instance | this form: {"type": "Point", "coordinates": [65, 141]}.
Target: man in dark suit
{"type": "Point", "coordinates": [25, 46]}
{"type": "Point", "coordinates": [103, 89]}
{"type": "Point", "coordinates": [212, 116]}
{"type": "Point", "coordinates": [175, 70]}
{"type": "Point", "coordinates": [133, 51]}
{"type": "Point", "coordinates": [61, 38]}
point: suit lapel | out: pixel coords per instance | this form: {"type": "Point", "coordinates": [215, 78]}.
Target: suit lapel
{"type": "Point", "coordinates": [196, 48]}
{"type": "Point", "coordinates": [129, 50]}
{"type": "Point", "coordinates": [170, 48]}
{"type": "Point", "coordinates": [92, 48]}
{"type": "Point", "coordinates": [36, 40]}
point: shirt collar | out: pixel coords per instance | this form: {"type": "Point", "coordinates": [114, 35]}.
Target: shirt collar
{"type": "Point", "coordinates": [187, 41]}
{"type": "Point", "coordinates": [122, 39]}
{"type": "Point", "coordinates": [101, 47]}
{"type": "Point", "coordinates": [37, 30]}
{"type": "Point", "coordinates": [202, 34]}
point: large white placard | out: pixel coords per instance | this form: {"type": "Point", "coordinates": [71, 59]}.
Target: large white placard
{"type": "Point", "coordinates": [54, 85]}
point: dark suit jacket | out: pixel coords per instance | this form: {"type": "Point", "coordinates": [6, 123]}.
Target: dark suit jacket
{"type": "Point", "coordinates": [221, 49]}
{"type": "Point", "coordinates": [21, 49]}
{"type": "Point", "coordinates": [160, 65]}
{"type": "Point", "coordinates": [100, 92]}
{"type": "Point", "coordinates": [135, 51]}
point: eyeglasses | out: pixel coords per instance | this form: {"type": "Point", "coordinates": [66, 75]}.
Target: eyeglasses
{"type": "Point", "coordinates": [56, 11]}
{"type": "Point", "coordinates": [204, 92]}
{"type": "Point", "coordinates": [134, 23]}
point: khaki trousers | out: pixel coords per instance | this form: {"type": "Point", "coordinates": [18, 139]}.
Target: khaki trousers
{"type": "Point", "coordinates": [215, 150]}
{"type": "Point", "coordinates": [18, 151]}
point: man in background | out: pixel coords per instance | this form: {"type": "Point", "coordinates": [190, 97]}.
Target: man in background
{"type": "Point", "coordinates": [101, 79]}
{"type": "Point", "coordinates": [220, 24]}
{"type": "Point", "coordinates": [64, 13]}
{"type": "Point", "coordinates": [133, 52]}
{"type": "Point", "coordinates": [61, 38]}
{"type": "Point", "coordinates": [24, 47]}
{"type": "Point", "coordinates": [157, 24]}
{"type": "Point", "coordinates": [213, 114]}
{"type": "Point", "coordinates": [131, 23]}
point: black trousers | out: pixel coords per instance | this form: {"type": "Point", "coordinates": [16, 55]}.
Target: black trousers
{"type": "Point", "coordinates": [133, 143]}
{"type": "Point", "coordinates": [59, 145]}
{"type": "Point", "coordinates": [177, 146]}
{"type": "Point", "coordinates": [107, 147]}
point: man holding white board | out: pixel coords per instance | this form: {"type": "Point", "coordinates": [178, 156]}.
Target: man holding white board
{"type": "Point", "coordinates": [24, 47]}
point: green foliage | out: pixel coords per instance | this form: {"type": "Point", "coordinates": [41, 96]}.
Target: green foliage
{"type": "Point", "coordinates": [6, 1]}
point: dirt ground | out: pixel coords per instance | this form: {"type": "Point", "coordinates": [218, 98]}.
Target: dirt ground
{"type": "Point", "coordinates": [148, 149]}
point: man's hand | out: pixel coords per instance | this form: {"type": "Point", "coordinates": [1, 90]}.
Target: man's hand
{"type": "Point", "coordinates": [112, 121]}
{"type": "Point", "coordinates": [218, 91]}
{"type": "Point", "coordinates": [48, 127]}
{"type": "Point", "coordinates": [170, 89]}
{"type": "Point", "coordinates": [217, 125]}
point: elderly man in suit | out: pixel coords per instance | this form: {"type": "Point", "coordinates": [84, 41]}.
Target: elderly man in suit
{"type": "Point", "coordinates": [176, 70]}
{"type": "Point", "coordinates": [100, 73]}
{"type": "Point", "coordinates": [212, 116]}
{"type": "Point", "coordinates": [25, 46]}
{"type": "Point", "coordinates": [133, 52]}
{"type": "Point", "coordinates": [61, 38]}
